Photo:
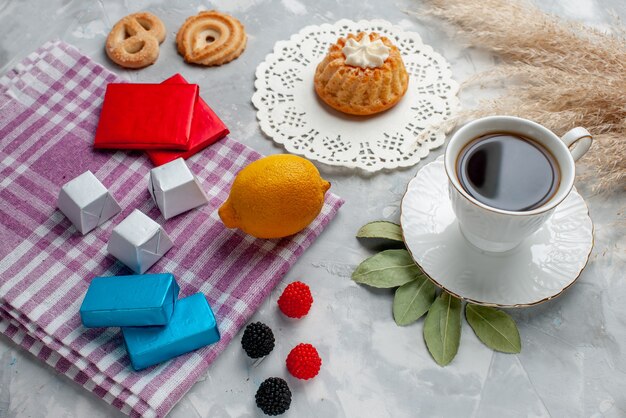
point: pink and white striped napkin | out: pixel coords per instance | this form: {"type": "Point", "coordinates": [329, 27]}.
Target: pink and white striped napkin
{"type": "Point", "coordinates": [49, 107]}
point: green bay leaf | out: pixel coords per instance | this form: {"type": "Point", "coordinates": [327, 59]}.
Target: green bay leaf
{"type": "Point", "coordinates": [386, 269]}
{"type": "Point", "coordinates": [495, 328]}
{"type": "Point", "coordinates": [381, 229]}
{"type": "Point", "coordinates": [442, 328]}
{"type": "Point", "coordinates": [412, 300]}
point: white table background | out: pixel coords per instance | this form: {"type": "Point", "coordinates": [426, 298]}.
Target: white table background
{"type": "Point", "coordinates": [573, 359]}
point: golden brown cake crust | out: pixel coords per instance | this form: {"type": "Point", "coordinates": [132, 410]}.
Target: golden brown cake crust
{"type": "Point", "coordinates": [356, 90]}
{"type": "Point", "coordinates": [211, 38]}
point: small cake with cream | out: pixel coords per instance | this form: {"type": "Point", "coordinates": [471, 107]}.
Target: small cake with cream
{"type": "Point", "coordinates": [362, 74]}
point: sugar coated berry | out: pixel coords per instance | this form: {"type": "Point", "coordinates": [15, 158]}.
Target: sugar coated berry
{"type": "Point", "coordinates": [296, 300]}
{"type": "Point", "coordinates": [304, 362]}
{"type": "Point", "coordinates": [257, 340]}
{"type": "Point", "coordinates": [273, 396]}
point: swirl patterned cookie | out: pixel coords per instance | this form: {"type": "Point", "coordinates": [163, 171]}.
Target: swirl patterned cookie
{"type": "Point", "coordinates": [211, 38]}
{"type": "Point", "coordinates": [134, 40]}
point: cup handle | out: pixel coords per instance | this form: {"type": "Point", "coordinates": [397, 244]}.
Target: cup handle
{"type": "Point", "coordinates": [578, 140]}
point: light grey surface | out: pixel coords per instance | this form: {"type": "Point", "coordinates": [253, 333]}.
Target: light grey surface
{"type": "Point", "coordinates": [573, 360]}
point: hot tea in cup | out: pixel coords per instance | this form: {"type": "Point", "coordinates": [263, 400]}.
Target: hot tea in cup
{"type": "Point", "coordinates": [507, 175]}
{"type": "Point", "coordinates": [507, 171]}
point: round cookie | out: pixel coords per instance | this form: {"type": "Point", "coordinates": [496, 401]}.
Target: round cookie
{"type": "Point", "coordinates": [134, 40]}
{"type": "Point", "coordinates": [211, 38]}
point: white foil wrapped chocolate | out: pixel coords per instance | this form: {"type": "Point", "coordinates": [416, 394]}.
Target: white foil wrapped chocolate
{"type": "Point", "coordinates": [175, 189]}
{"type": "Point", "coordinates": [139, 242]}
{"type": "Point", "coordinates": [86, 202]}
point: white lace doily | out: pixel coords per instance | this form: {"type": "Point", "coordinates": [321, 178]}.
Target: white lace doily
{"type": "Point", "coordinates": [290, 112]}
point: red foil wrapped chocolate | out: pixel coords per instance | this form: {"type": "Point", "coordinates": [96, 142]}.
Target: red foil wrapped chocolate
{"type": "Point", "coordinates": [206, 129]}
{"type": "Point", "coordinates": [147, 116]}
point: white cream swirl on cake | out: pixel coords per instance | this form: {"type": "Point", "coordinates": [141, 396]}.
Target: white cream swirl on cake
{"type": "Point", "coordinates": [365, 53]}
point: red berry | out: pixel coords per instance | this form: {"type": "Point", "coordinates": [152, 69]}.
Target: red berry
{"type": "Point", "coordinates": [296, 300]}
{"type": "Point", "coordinates": [303, 361]}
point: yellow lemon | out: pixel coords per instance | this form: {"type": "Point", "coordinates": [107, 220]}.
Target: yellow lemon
{"type": "Point", "coordinates": [274, 197]}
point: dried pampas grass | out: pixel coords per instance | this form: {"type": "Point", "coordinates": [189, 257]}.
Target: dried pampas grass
{"type": "Point", "coordinates": [561, 74]}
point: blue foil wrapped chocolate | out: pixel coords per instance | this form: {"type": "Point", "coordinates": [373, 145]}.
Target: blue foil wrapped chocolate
{"type": "Point", "coordinates": [192, 326]}
{"type": "Point", "coordinates": [121, 301]}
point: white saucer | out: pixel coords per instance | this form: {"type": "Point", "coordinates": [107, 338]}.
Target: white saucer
{"type": "Point", "coordinates": [539, 269]}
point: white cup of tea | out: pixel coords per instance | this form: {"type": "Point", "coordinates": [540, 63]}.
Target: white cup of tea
{"type": "Point", "coordinates": [507, 175]}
